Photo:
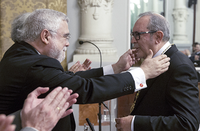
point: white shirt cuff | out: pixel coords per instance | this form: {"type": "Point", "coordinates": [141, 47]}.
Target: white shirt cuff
{"type": "Point", "coordinates": [132, 124]}
{"type": "Point", "coordinates": [139, 78]}
{"type": "Point", "coordinates": [28, 129]}
{"type": "Point", "coordinates": [107, 70]}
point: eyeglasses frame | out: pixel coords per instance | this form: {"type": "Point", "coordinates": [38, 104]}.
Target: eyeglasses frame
{"type": "Point", "coordinates": [140, 33]}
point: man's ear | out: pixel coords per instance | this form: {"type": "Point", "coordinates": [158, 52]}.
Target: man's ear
{"type": "Point", "coordinates": [45, 36]}
{"type": "Point", "coordinates": [159, 36]}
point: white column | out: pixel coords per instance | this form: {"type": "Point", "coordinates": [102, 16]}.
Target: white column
{"type": "Point", "coordinates": [180, 16]}
{"type": "Point", "coordinates": [197, 38]}
{"type": "Point", "coordinates": [96, 19]}
{"type": "Point", "coordinates": [155, 6]}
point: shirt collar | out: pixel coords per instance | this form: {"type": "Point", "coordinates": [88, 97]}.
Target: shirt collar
{"type": "Point", "coordinates": [163, 49]}
{"type": "Point", "coordinates": [38, 52]}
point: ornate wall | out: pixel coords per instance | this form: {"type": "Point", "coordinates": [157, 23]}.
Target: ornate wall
{"type": "Point", "coordinates": [9, 9]}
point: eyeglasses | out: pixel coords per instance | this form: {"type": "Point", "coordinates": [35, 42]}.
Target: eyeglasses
{"type": "Point", "coordinates": [66, 36]}
{"type": "Point", "coordinates": [137, 34]}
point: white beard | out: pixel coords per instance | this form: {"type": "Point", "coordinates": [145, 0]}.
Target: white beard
{"type": "Point", "coordinates": [57, 54]}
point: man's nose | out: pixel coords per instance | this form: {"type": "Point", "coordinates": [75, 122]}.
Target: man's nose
{"type": "Point", "coordinates": [133, 40]}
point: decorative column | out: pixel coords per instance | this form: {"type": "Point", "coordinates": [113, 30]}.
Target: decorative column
{"type": "Point", "coordinates": [197, 38]}
{"type": "Point", "coordinates": [155, 6]}
{"type": "Point", "coordinates": [96, 19]}
{"type": "Point", "coordinates": [180, 15]}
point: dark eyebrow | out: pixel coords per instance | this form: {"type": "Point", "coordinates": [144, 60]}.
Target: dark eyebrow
{"type": "Point", "coordinates": [66, 35]}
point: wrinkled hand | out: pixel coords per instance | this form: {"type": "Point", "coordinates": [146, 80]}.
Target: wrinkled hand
{"type": "Point", "coordinates": [125, 61]}
{"type": "Point", "coordinates": [124, 123]}
{"type": "Point", "coordinates": [6, 123]}
{"type": "Point", "coordinates": [43, 114]}
{"type": "Point", "coordinates": [81, 67]}
{"type": "Point", "coordinates": [153, 67]}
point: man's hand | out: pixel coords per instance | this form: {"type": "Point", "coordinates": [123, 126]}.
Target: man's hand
{"type": "Point", "coordinates": [43, 114]}
{"type": "Point", "coordinates": [196, 57]}
{"type": "Point", "coordinates": [5, 123]}
{"type": "Point", "coordinates": [78, 67]}
{"type": "Point", "coordinates": [124, 123]}
{"type": "Point", "coordinates": [153, 67]}
{"type": "Point", "coordinates": [125, 61]}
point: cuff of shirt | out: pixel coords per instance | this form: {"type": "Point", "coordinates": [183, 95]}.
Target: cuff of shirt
{"type": "Point", "coordinates": [28, 129]}
{"type": "Point", "coordinates": [139, 78]}
{"type": "Point", "coordinates": [132, 124]}
{"type": "Point", "coordinates": [107, 70]}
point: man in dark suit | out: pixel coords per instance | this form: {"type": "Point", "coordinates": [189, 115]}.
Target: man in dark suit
{"type": "Point", "coordinates": [34, 60]}
{"type": "Point", "coordinates": [170, 101]}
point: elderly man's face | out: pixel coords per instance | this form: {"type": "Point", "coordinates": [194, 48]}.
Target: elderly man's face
{"type": "Point", "coordinates": [145, 42]}
{"type": "Point", "coordinates": [59, 42]}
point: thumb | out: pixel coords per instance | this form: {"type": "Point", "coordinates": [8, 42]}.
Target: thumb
{"type": "Point", "coordinates": [38, 91]}
{"type": "Point", "coordinates": [150, 55]}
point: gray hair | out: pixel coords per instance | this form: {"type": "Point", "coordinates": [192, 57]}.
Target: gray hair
{"type": "Point", "coordinates": [37, 21]}
{"type": "Point", "coordinates": [156, 23]}
{"type": "Point", "coordinates": [17, 25]}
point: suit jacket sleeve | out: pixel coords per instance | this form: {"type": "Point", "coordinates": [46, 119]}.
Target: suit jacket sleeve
{"type": "Point", "coordinates": [182, 96]}
{"type": "Point", "coordinates": [91, 85]}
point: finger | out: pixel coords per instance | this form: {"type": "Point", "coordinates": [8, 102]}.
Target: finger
{"type": "Point", "coordinates": [73, 96]}
{"type": "Point", "coordinates": [165, 66]}
{"type": "Point", "coordinates": [165, 60]}
{"type": "Point", "coordinates": [64, 98]}
{"type": "Point", "coordinates": [11, 128]}
{"type": "Point", "coordinates": [51, 96]}
{"type": "Point", "coordinates": [74, 65]}
{"type": "Point", "coordinates": [67, 112]}
{"type": "Point", "coordinates": [38, 91]}
{"type": "Point", "coordinates": [2, 119]}
{"type": "Point", "coordinates": [160, 57]}
{"type": "Point", "coordinates": [86, 63]}
{"type": "Point", "coordinates": [70, 91]}
{"type": "Point", "coordinates": [7, 121]}
{"type": "Point", "coordinates": [150, 55]}
{"type": "Point", "coordinates": [73, 99]}
{"type": "Point", "coordinates": [63, 105]}
{"type": "Point", "coordinates": [129, 52]}
{"type": "Point", "coordinates": [60, 98]}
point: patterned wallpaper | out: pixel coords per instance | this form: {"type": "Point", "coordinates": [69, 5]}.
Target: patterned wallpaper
{"type": "Point", "coordinates": [9, 9]}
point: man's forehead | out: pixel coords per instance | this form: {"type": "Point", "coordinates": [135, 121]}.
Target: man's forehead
{"type": "Point", "coordinates": [141, 24]}
{"type": "Point", "coordinates": [64, 27]}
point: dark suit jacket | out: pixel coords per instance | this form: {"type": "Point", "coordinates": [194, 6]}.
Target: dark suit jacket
{"type": "Point", "coordinates": [170, 101]}
{"type": "Point", "coordinates": [22, 70]}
